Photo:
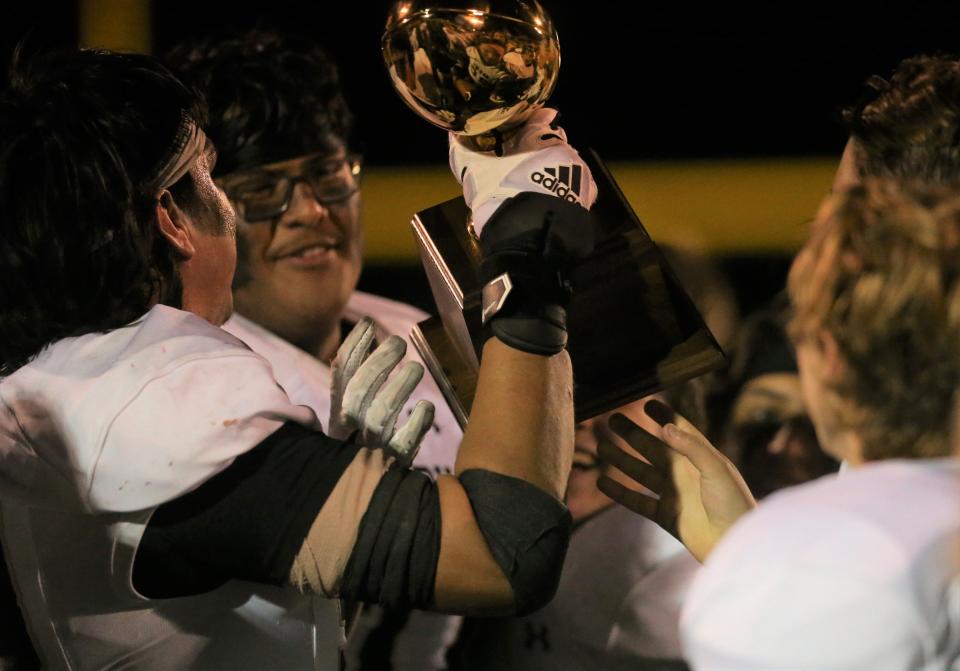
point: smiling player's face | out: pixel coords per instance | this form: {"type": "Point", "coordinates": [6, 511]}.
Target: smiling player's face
{"type": "Point", "coordinates": [298, 269]}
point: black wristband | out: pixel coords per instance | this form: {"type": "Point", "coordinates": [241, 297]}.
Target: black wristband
{"type": "Point", "coordinates": [529, 245]}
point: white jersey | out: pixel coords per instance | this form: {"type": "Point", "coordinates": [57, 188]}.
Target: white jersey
{"type": "Point", "coordinates": [307, 379]}
{"type": "Point", "coordinates": [95, 434]}
{"type": "Point", "coordinates": [422, 642]}
{"type": "Point", "coordinates": [856, 571]}
{"type": "Point", "coordinates": [617, 605]}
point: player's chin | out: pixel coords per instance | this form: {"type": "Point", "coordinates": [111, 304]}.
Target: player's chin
{"type": "Point", "coordinates": [320, 302]}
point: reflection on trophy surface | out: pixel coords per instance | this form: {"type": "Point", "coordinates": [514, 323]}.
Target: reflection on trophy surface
{"type": "Point", "coordinates": [472, 67]}
{"type": "Point", "coordinates": [480, 69]}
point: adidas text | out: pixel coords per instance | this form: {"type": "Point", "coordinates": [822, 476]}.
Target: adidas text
{"type": "Point", "coordinates": [563, 181]}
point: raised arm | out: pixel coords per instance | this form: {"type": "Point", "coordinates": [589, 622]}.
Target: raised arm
{"type": "Point", "coordinates": [503, 526]}
{"type": "Point", "coordinates": [521, 426]}
{"type": "Point", "coordinates": [492, 537]}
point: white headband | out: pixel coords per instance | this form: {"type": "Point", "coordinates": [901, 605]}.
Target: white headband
{"type": "Point", "coordinates": [188, 146]}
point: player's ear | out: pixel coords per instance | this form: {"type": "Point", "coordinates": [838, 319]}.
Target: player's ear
{"type": "Point", "coordinates": [834, 364]}
{"type": "Point", "coordinates": [173, 225]}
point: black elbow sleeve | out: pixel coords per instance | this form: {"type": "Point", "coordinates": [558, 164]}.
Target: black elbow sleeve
{"type": "Point", "coordinates": [527, 531]}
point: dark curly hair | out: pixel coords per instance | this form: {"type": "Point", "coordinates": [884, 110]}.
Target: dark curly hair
{"type": "Point", "coordinates": [81, 132]}
{"type": "Point", "coordinates": [270, 98]}
{"type": "Point", "coordinates": [908, 127]}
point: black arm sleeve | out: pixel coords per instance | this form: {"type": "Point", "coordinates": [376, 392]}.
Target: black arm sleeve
{"type": "Point", "coordinates": [248, 522]}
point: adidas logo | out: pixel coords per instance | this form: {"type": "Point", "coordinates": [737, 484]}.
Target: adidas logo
{"type": "Point", "coordinates": [564, 181]}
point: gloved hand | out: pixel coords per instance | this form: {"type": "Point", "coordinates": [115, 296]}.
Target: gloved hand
{"type": "Point", "coordinates": [362, 398]}
{"type": "Point", "coordinates": [530, 246]}
{"type": "Point", "coordinates": [535, 157]}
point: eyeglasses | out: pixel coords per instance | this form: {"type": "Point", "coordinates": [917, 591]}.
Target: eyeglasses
{"type": "Point", "coordinates": [263, 194]}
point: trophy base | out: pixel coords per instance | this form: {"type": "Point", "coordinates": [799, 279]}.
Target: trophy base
{"type": "Point", "coordinates": [633, 330]}
{"type": "Point", "coordinates": [455, 375]}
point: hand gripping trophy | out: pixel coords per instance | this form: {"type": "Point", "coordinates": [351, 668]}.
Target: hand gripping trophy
{"type": "Point", "coordinates": [483, 71]}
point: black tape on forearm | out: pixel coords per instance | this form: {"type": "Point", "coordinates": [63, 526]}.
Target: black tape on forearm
{"type": "Point", "coordinates": [527, 531]}
{"type": "Point", "coordinates": [394, 561]}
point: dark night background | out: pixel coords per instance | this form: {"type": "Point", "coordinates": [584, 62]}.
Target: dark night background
{"type": "Point", "coordinates": [638, 80]}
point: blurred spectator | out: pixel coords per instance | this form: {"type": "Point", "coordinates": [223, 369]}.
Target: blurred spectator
{"type": "Point", "coordinates": [709, 289]}
{"type": "Point", "coordinates": [764, 426]}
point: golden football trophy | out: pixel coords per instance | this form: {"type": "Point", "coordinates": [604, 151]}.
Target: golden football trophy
{"type": "Point", "coordinates": [480, 69]}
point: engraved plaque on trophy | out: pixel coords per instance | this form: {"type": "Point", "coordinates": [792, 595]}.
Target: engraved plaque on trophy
{"type": "Point", "coordinates": [479, 69]}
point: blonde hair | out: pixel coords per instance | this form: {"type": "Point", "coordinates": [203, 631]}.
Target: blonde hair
{"type": "Point", "coordinates": [879, 274]}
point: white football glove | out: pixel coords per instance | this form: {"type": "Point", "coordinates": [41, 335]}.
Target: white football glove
{"type": "Point", "coordinates": [535, 157]}
{"type": "Point", "coordinates": [363, 396]}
